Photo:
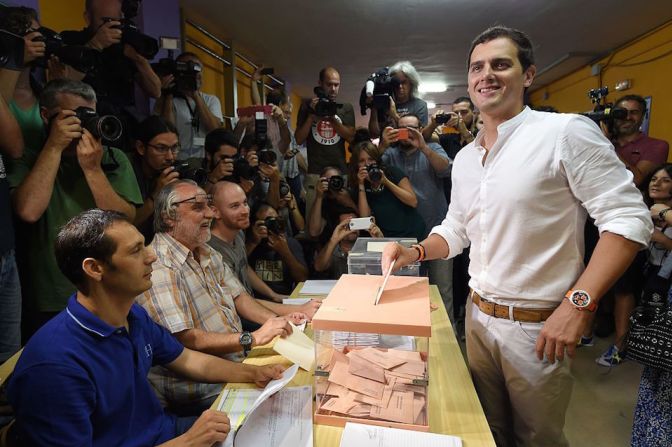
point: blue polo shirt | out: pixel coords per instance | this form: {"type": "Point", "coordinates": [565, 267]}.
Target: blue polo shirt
{"type": "Point", "coordinates": [82, 382]}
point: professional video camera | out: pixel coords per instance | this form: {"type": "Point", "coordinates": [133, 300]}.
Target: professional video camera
{"type": "Point", "coordinates": [79, 57]}
{"type": "Point", "coordinates": [379, 85]}
{"type": "Point", "coordinates": [11, 50]}
{"type": "Point", "coordinates": [325, 106]}
{"type": "Point", "coordinates": [190, 173]}
{"type": "Point", "coordinates": [604, 111]}
{"type": "Point", "coordinates": [106, 127]}
{"type": "Point", "coordinates": [145, 45]}
{"type": "Point", "coordinates": [185, 73]}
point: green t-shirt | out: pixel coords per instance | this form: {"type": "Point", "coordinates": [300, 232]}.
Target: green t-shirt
{"type": "Point", "coordinates": [31, 124]}
{"type": "Point", "coordinates": [44, 288]}
{"type": "Point", "coordinates": [394, 218]}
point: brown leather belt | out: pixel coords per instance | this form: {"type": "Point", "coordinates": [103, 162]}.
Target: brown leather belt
{"type": "Point", "coordinates": [519, 314]}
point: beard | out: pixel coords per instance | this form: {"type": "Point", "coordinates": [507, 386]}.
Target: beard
{"type": "Point", "coordinates": [190, 235]}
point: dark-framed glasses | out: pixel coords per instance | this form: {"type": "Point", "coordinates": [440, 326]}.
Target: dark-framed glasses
{"type": "Point", "coordinates": [163, 149]}
{"type": "Point", "coordinates": [199, 201]}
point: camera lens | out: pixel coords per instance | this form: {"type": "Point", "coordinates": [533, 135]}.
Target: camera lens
{"type": "Point", "coordinates": [336, 183]}
{"type": "Point", "coordinates": [109, 127]}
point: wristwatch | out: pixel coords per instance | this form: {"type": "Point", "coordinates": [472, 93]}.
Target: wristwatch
{"type": "Point", "coordinates": [245, 340]}
{"type": "Point", "coordinates": [581, 300]}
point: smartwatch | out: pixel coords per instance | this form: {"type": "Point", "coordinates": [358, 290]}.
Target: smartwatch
{"type": "Point", "coordinates": [581, 300]}
{"type": "Point", "coordinates": [245, 341]}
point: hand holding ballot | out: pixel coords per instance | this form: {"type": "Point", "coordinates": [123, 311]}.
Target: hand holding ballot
{"type": "Point", "coordinates": [211, 427]}
{"type": "Point", "coordinates": [271, 329]}
{"type": "Point", "coordinates": [266, 373]}
{"type": "Point", "coordinates": [397, 252]}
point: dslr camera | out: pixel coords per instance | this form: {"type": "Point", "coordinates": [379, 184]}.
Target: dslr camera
{"type": "Point", "coordinates": [605, 111]}
{"type": "Point", "coordinates": [325, 106]}
{"type": "Point", "coordinates": [274, 225]}
{"type": "Point", "coordinates": [242, 169]}
{"type": "Point", "coordinates": [145, 45]}
{"type": "Point", "coordinates": [79, 57]}
{"type": "Point", "coordinates": [106, 127]}
{"type": "Point", "coordinates": [375, 173]}
{"type": "Point", "coordinates": [379, 85]}
{"type": "Point", "coordinates": [336, 183]}
{"type": "Point", "coordinates": [185, 73]}
{"type": "Point", "coordinates": [190, 173]}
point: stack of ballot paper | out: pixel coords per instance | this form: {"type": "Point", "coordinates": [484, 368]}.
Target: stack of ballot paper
{"type": "Point", "coordinates": [375, 384]}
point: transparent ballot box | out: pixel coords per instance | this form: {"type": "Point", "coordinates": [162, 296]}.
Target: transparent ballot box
{"type": "Point", "coordinates": [364, 257]}
{"type": "Point", "coordinates": [372, 360]}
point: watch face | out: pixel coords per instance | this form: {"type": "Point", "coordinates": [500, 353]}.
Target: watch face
{"type": "Point", "coordinates": [245, 338]}
{"type": "Point", "coordinates": [580, 298]}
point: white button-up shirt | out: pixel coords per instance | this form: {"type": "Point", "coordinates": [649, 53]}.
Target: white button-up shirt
{"type": "Point", "coordinates": [523, 211]}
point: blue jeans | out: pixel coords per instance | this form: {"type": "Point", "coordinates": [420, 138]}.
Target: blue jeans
{"type": "Point", "coordinates": [10, 307]}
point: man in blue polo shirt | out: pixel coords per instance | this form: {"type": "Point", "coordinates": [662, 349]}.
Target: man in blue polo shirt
{"type": "Point", "coordinates": [82, 378]}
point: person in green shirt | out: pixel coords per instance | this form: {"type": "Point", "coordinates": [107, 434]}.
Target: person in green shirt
{"type": "Point", "coordinates": [70, 173]}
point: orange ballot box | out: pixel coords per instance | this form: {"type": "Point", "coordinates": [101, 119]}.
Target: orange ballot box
{"type": "Point", "coordinates": [371, 359]}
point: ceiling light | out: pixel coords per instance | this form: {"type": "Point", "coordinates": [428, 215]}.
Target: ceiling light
{"type": "Point", "coordinates": [432, 87]}
{"type": "Point", "coordinates": [430, 105]}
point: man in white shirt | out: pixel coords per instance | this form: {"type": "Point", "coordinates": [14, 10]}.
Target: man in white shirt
{"type": "Point", "coordinates": [520, 195]}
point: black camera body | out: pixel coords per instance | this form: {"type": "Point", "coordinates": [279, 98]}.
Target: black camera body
{"type": "Point", "coordinates": [79, 57]}
{"type": "Point", "coordinates": [267, 156]}
{"type": "Point", "coordinates": [375, 173]}
{"type": "Point", "coordinates": [185, 171]}
{"type": "Point", "coordinates": [11, 50]}
{"type": "Point", "coordinates": [242, 168]}
{"type": "Point", "coordinates": [261, 134]}
{"type": "Point", "coordinates": [381, 86]}
{"type": "Point", "coordinates": [336, 183]}
{"type": "Point", "coordinates": [145, 45]}
{"type": "Point", "coordinates": [106, 127]}
{"type": "Point", "coordinates": [325, 106]}
{"type": "Point", "coordinates": [442, 118]}
{"type": "Point", "coordinates": [275, 225]}
{"type": "Point", "coordinates": [185, 73]}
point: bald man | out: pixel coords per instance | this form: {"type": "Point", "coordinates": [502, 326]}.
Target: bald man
{"type": "Point", "coordinates": [324, 136]}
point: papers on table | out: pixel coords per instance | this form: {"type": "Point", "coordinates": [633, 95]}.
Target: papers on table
{"type": "Point", "coordinates": [298, 348]}
{"type": "Point", "coordinates": [295, 301]}
{"type": "Point", "coordinates": [372, 436]}
{"type": "Point", "coordinates": [318, 287]}
{"type": "Point", "coordinates": [241, 404]}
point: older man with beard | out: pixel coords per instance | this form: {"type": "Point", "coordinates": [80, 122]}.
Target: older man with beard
{"type": "Point", "coordinates": [198, 298]}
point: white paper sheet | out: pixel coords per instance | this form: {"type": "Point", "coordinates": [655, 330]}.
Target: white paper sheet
{"type": "Point", "coordinates": [297, 348]}
{"type": "Point", "coordinates": [284, 420]}
{"type": "Point", "coordinates": [317, 287]}
{"type": "Point", "coordinates": [295, 301]}
{"type": "Point", "coordinates": [361, 435]}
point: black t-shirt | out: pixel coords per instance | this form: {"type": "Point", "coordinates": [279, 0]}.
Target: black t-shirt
{"type": "Point", "coordinates": [270, 267]}
{"type": "Point", "coordinates": [7, 232]}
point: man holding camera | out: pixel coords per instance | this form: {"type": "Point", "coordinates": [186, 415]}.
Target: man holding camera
{"type": "Point", "coordinates": [191, 111]}
{"type": "Point", "coordinates": [640, 153]}
{"type": "Point", "coordinates": [324, 126]}
{"type": "Point", "coordinates": [71, 173]}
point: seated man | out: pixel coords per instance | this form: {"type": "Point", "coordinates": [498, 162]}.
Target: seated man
{"type": "Point", "coordinates": [276, 257]}
{"type": "Point", "coordinates": [198, 298]}
{"type": "Point", "coordinates": [82, 378]}
{"type": "Point", "coordinates": [156, 150]}
{"type": "Point", "coordinates": [333, 256]}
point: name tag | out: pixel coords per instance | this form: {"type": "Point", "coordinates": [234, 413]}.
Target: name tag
{"type": "Point", "coordinates": [199, 141]}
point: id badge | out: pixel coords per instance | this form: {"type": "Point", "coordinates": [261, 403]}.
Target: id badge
{"type": "Point", "coordinates": [198, 141]}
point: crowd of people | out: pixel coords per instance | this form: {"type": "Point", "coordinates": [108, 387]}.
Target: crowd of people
{"type": "Point", "coordinates": [139, 269]}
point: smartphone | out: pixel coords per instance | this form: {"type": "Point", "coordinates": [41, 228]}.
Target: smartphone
{"type": "Point", "coordinates": [360, 223]}
{"type": "Point", "coordinates": [267, 71]}
{"type": "Point", "coordinates": [402, 134]}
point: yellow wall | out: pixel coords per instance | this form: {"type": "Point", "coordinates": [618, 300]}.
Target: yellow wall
{"type": "Point", "coordinates": [62, 15]}
{"type": "Point", "coordinates": [569, 94]}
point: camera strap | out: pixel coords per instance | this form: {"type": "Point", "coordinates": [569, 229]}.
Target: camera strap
{"type": "Point", "coordinates": [195, 122]}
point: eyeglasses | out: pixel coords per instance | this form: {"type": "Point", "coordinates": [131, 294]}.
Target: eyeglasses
{"type": "Point", "coordinates": [199, 201]}
{"type": "Point", "coordinates": [163, 150]}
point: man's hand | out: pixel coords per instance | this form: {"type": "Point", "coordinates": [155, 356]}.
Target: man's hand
{"type": "Point", "coordinates": [252, 158]}
{"type": "Point", "coordinates": [266, 373]}
{"type": "Point", "coordinates": [32, 50]}
{"type": "Point", "coordinates": [310, 308]}
{"type": "Point", "coordinates": [211, 427]}
{"type": "Point", "coordinates": [561, 331]}
{"type": "Point", "coordinates": [278, 115]}
{"type": "Point", "coordinates": [167, 83]}
{"type": "Point", "coordinates": [168, 175]}
{"type": "Point", "coordinates": [341, 231]}
{"type": "Point", "coordinates": [223, 168]}
{"type": "Point", "coordinates": [403, 256]}
{"type": "Point", "coordinates": [256, 75]}
{"type": "Point", "coordinates": [270, 171]}
{"type": "Point", "coordinates": [390, 136]}
{"type": "Point", "coordinates": [416, 138]}
{"type": "Point", "coordinates": [375, 231]}
{"type": "Point", "coordinates": [65, 128]}
{"type": "Point", "coordinates": [297, 318]}
{"type": "Point", "coordinates": [272, 328]}
{"type": "Point", "coordinates": [278, 243]}
{"type": "Point", "coordinates": [89, 152]}
{"type": "Point", "coordinates": [106, 35]}
{"type": "Point", "coordinates": [432, 119]}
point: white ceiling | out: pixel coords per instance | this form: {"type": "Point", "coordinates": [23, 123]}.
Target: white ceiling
{"type": "Point", "coordinates": [299, 37]}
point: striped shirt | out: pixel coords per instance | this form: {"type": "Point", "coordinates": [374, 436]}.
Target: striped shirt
{"type": "Point", "coordinates": [188, 294]}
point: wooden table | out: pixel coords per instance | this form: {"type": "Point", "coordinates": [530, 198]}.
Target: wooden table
{"type": "Point", "coordinates": [454, 408]}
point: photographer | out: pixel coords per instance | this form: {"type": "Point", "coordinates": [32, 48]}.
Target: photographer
{"type": "Point", "coordinates": [324, 134]}
{"type": "Point", "coordinates": [405, 102]}
{"type": "Point", "coordinates": [276, 258]}
{"type": "Point", "coordinates": [156, 149]}
{"type": "Point", "coordinates": [330, 193]}
{"type": "Point", "coordinates": [69, 174]}
{"type": "Point", "coordinates": [457, 131]}
{"type": "Point", "coordinates": [333, 256]}
{"type": "Point", "coordinates": [120, 65]}
{"type": "Point", "coordinates": [640, 153]}
{"type": "Point", "coordinates": [385, 193]}
{"type": "Point", "coordinates": [193, 112]}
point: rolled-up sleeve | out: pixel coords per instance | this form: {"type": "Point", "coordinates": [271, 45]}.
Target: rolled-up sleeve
{"type": "Point", "coordinates": [601, 183]}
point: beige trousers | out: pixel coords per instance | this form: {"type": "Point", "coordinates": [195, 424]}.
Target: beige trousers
{"type": "Point", "coordinates": [524, 399]}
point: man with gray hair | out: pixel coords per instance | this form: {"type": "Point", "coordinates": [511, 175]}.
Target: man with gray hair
{"type": "Point", "coordinates": [405, 100]}
{"type": "Point", "coordinates": [198, 298]}
{"type": "Point", "coordinates": [70, 173]}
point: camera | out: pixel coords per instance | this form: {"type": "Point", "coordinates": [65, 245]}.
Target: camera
{"type": "Point", "coordinates": [79, 57]}
{"type": "Point", "coordinates": [11, 50]}
{"type": "Point", "coordinates": [284, 188]}
{"type": "Point", "coordinates": [145, 45]}
{"type": "Point", "coordinates": [443, 118]}
{"type": "Point", "coordinates": [106, 127]}
{"type": "Point", "coordinates": [274, 225]}
{"type": "Point", "coordinates": [379, 85]}
{"type": "Point", "coordinates": [336, 183]}
{"type": "Point", "coordinates": [185, 73]}
{"type": "Point", "coordinates": [324, 106]}
{"type": "Point", "coordinates": [190, 173]}
{"type": "Point", "coordinates": [375, 174]}
{"type": "Point", "coordinates": [242, 168]}
{"type": "Point", "coordinates": [604, 111]}
{"type": "Point", "coordinates": [267, 156]}
{"type": "Point", "coordinates": [261, 132]}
